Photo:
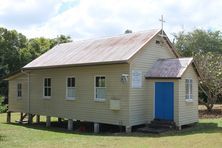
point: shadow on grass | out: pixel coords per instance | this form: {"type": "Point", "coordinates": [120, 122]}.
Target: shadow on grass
{"type": "Point", "coordinates": [2, 138]}
{"type": "Point", "coordinates": [198, 128]}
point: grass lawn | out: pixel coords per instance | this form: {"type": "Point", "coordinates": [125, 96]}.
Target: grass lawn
{"type": "Point", "coordinates": [207, 133]}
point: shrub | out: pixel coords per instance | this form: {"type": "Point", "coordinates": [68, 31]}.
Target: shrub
{"type": "Point", "coordinates": [3, 108]}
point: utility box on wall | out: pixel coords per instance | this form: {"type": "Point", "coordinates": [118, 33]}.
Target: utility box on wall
{"type": "Point", "coordinates": [114, 104]}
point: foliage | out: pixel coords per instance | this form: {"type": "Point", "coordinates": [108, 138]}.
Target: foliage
{"type": "Point", "coordinates": [206, 48]}
{"type": "Point", "coordinates": [198, 41]}
{"type": "Point", "coordinates": [210, 66]}
{"type": "Point", "coordinates": [37, 46]}
{"type": "Point", "coordinates": [3, 107]}
{"type": "Point", "coordinates": [16, 51]}
{"type": "Point", "coordinates": [11, 43]}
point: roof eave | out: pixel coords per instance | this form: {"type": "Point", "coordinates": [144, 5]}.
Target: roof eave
{"type": "Point", "coordinates": [11, 75]}
{"type": "Point", "coordinates": [169, 43]}
{"type": "Point", "coordinates": [77, 65]}
{"type": "Point", "coordinates": [197, 70]}
{"type": "Point", "coordinates": [147, 77]}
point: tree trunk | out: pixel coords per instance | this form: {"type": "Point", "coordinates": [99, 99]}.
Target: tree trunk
{"type": "Point", "coordinates": [209, 107]}
{"type": "Point", "coordinates": [209, 104]}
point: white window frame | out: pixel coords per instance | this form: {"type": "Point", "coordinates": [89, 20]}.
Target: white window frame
{"type": "Point", "coordinates": [189, 94]}
{"type": "Point", "coordinates": [47, 97]}
{"type": "Point", "coordinates": [67, 97]}
{"type": "Point", "coordinates": [19, 90]}
{"type": "Point", "coordinates": [98, 99]}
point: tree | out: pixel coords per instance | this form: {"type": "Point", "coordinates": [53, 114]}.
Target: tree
{"type": "Point", "coordinates": [210, 66]}
{"type": "Point", "coordinates": [198, 41]}
{"type": "Point", "coordinates": [11, 42]}
{"type": "Point", "coordinates": [37, 46]}
{"type": "Point", "coordinates": [60, 39]}
{"type": "Point", "coordinates": [16, 51]}
{"type": "Point", "coordinates": [206, 48]}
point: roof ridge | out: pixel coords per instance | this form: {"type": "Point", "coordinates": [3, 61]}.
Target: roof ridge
{"type": "Point", "coordinates": [114, 36]}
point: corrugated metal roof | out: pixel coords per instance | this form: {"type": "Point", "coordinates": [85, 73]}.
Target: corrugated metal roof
{"type": "Point", "coordinates": [105, 50]}
{"type": "Point", "coordinates": [169, 68]}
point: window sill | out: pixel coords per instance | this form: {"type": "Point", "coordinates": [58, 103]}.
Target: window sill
{"type": "Point", "coordinates": [19, 98]}
{"type": "Point", "coordinates": [189, 100]}
{"type": "Point", "coordinates": [46, 98]}
{"type": "Point", "coordinates": [70, 99]}
{"type": "Point", "coordinates": [99, 100]}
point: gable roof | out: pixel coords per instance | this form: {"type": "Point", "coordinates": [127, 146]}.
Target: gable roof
{"type": "Point", "coordinates": [169, 68]}
{"type": "Point", "coordinates": [117, 49]}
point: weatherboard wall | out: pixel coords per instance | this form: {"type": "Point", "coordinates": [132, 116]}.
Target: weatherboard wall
{"type": "Point", "coordinates": [18, 103]}
{"type": "Point", "coordinates": [188, 110]}
{"type": "Point", "coordinates": [83, 107]}
{"type": "Point", "coordinates": [141, 99]}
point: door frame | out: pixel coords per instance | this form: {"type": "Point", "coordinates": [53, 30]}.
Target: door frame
{"type": "Point", "coordinates": [154, 98]}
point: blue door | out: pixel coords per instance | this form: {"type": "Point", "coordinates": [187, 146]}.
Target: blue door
{"type": "Point", "coordinates": [164, 96]}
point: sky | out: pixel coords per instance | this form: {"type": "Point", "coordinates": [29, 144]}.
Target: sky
{"type": "Point", "coordinates": [83, 19]}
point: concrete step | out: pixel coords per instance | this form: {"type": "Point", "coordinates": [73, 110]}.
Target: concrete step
{"type": "Point", "coordinates": [162, 124]}
{"type": "Point", "coordinates": [162, 121]}
{"type": "Point", "coordinates": [166, 126]}
{"type": "Point", "coordinates": [152, 130]}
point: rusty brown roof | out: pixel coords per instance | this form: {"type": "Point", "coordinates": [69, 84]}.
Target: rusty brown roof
{"type": "Point", "coordinates": [169, 68]}
{"type": "Point", "coordinates": [115, 49]}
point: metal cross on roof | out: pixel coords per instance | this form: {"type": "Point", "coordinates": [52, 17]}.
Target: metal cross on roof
{"type": "Point", "coordinates": [162, 21]}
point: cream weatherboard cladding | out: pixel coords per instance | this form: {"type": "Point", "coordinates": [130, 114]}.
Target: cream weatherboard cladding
{"type": "Point", "coordinates": [141, 100]}
{"type": "Point", "coordinates": [18, 103]}
{"type": "Point", "coordinates": [84, 107]}
{"type": "Point", "coordinates": [188, 110]}
{"type": "Point", "coordinates": [123, 105]}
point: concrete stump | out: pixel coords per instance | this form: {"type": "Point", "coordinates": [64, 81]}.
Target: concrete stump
{"type": "Point", "coordinates": [8, 117]}
{"type": "Point", "coordinates": [128, 129]}
{"type": "Point", "coordinates": [48, 121]}
{"type": "Point", "coordinates": [30, 118]}
{"type": "Point", "coordinates": [37, 118]}
{"type": "Point", "coordinates": [96, 127]}
{"type": "Point", "coordinates": [70, 124]}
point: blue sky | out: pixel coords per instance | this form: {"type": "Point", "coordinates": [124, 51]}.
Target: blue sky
{"type": "Point", "coordinates": [82, 19]}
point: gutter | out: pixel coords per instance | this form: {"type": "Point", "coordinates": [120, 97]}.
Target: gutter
{"type": "Point", "coordinates": [28, 75]}
{"type": "Point", "coordinates": [77, 65]}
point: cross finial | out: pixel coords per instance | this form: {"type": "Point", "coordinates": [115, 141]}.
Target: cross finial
{"type": "Point", "coordinates": [162, 21]}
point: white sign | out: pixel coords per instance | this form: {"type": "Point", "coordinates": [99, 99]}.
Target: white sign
{"type": "Point", "coordinates": [136, 79]}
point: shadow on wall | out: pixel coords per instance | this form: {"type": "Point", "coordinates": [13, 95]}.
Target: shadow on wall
{"type": "Point", "coordinates": [115, 131]}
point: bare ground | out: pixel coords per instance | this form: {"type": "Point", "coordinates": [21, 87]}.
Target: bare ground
{"type": "Point", "coordinates": [215, 113]}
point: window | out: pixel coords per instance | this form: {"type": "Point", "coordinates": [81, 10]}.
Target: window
{"type": "Point", "coordinates": [70, 88]}
{"type": "Point", "coordinates": [188, 87]}
{"type": "Point", "coordinates": [47, 88]}
{"type": "Point", "coordinates": [100, 88]}
{"type": "Point", "coordinates": [19, 90]}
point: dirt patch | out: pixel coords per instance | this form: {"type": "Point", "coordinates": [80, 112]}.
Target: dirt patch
{"type": "Point", "coordinates": [215, 113]}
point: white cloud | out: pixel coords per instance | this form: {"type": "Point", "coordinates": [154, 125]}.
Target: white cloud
{"type": "Point", "coordinates": [86, 18]}
{"type": "Point", "coordinates": [26, 13]}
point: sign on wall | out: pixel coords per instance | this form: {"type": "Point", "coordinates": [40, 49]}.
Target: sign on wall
{"type": "Point", "coordinates": [136, 79]}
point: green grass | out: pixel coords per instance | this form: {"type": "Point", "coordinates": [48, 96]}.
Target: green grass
{"type": "Point", "coordinates": [207, 133]}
